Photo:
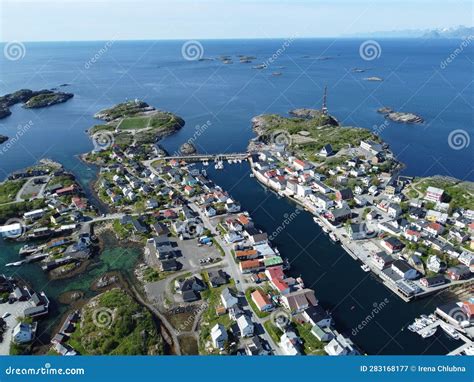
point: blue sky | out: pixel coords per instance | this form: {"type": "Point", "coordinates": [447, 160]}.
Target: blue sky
{"type": "Point", "coordinates": [39, 20]}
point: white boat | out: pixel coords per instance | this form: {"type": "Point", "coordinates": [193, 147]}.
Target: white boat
{"type": "Point", "coordinates": [450, 331]}
{"type": "Point", "coordinates": [316, 220]}
{"type": "Point", "coordinates": [205, 163]}
{"type": "Point", "coordinates": [333, 237]}
{"type": "Point", "coordinates": [219, 165]}
{"type": "Point", "coordinates": [325, 230]}
{"type": "Point", "coordinates": [252, 175]}
{"type": "Point", "coordinates": [365, 268]}
{"type": "Point", "coordinates": [429, 333]}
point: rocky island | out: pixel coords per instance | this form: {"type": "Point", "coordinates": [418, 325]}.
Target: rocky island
{"type": "Point", "coordinates": [187, 148]}
{"type": "Point", "coordinates": [398, 116]}
{"type": "Point", "coordinates": [31, 99]}
{"type": "Point", "coordinates": [3, 139]}
{"type": "Point", "coordinates": [47, 98]}
{"type": "Point", "coordinates": [373, 78]}
{"type": "Point", "coordinates": [133, 126]}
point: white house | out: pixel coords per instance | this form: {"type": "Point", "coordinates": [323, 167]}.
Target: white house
{"type": "Point", "coordinates": [228, 299]}
{"type": "Point", "coordinates": [218, 336]}
{"type": "Point", "coordinates": [290, 343]}
{"type": "Point", "coordinates": [340, 346]}
{"type": "Point", "coordinates": [404, 270]}
{"type": "Point", "coordinates": [23, 333]}
{"type": "Point", "coordinates": [245, 326]}
{"type": "Point", "coordinates": [434, 264]}
{"type": "Point", "coordinates": [303, 190]}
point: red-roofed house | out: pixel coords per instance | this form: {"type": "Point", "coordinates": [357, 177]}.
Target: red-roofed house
{"type": "Point", "coordinates": [434, 229]}
{"type": "Point", "coordinates": [79, 203]}
{"type": "Point", "coordinates": [275, 273]}
{"type": "Point", "coordinates": [248, 254]}
{"type": "Point", "coordinates": [301, 165]}
{"type": "Point", "coordinates": [66, 190]}
{"type": "Point", "coordinates": [250, 266]}
{"type": "Point", "coordinates": [261, 300]}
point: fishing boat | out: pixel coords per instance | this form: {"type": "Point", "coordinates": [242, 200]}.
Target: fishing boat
{"type": "Point", "coordinates": [28, 249]}
{"type": "Point", "coordinates": [365, 268]}
{"type": "Point", "coordinates": [429, 332]}
{"type": "Point", "coordinates": [333, 237]}
{"type": "Point", "coordinates": [450, 331]}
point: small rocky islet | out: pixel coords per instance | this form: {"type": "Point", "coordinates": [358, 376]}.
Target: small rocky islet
{"type": "Point", "coordinates": [399, 116]}
{"type": "Point", "coordinates": [31, 99]}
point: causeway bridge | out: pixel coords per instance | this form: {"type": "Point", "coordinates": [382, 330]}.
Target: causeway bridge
{"type": "Point", "coordinates": [208, 157]}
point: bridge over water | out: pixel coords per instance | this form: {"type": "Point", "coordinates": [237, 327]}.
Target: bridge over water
{"type": "Point", "coordinates": [208, 157]}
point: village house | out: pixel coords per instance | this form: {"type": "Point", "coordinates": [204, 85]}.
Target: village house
{"type": "Point", "coordinates": [245, 325]}
{"type": "Point", "coordinates": [434, 194]}
{"type": "Point", "coordinates": [219, 336]}
{"type": "Point", "coordinates": [392, 245]}
{"type": "Point", "coordinates": [404, 270]}
{"type": "Point", "coordinates": [382, 260]}
{"type": "Point", "coordinates": [290, 343]}
{"type": "Point", "coordinates": [297, 301]}
{"type": "Point", "coordinates": [261, 301]}
{"type": "Point", "coordinates": [228, 299]}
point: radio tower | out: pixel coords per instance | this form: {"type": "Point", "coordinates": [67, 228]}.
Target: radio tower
{"type": "Point", "coordinates": [324, 109]}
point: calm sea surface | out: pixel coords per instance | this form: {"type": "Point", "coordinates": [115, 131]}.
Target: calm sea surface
{"type": "Point", "coordinates": [226, 97]}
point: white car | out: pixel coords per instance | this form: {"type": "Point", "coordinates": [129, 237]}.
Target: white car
{"type": "Point", "coordinates": [5, 315]}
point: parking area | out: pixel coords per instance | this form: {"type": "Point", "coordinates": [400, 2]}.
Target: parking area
{"type": "Point", "coordinates": [33, 188]}
{"type": "Point", "coordinates": [14, 311]}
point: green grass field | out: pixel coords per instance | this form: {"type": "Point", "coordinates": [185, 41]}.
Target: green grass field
{"type": "Point", "coordinates": [134, 123]}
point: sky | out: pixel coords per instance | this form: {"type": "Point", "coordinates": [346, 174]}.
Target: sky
{"type": "Point", "coordinates": [72, 20]}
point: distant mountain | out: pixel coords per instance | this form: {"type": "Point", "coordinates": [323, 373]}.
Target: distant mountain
{"type": "Point", "coordinates": [460, 32]}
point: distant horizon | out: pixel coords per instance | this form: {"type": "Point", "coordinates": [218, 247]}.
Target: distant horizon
{"type": "Point", "coordinates": [239, 39]}
{"type": "Point", "coordinates": [152, 20]}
